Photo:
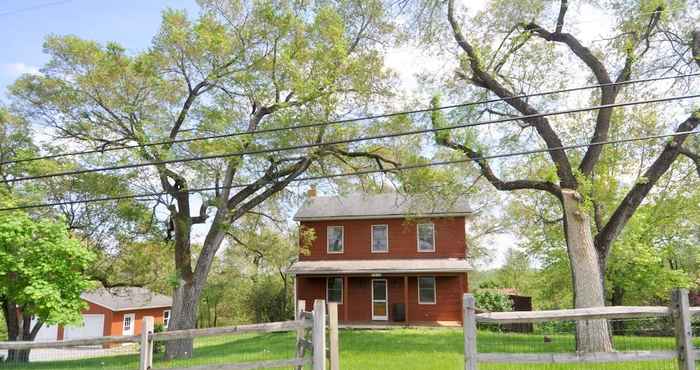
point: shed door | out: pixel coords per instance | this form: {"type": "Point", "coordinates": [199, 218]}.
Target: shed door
{"type": "Point", "coordinates": [46, 333]}
{"type": "Point", "coordinates": [380, 309]}
{"type": "Point", "coordinates": [93, 326]}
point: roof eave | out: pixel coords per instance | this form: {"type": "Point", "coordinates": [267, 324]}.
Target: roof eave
{"type": "Point", "coordinates": [383, 271]}
{"type": "Point", "coordinates": [375, 217]}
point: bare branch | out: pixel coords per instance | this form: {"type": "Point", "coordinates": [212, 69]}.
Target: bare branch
{"type": "Point", "coordinates": [563, 6]}
{"type": "Point", "coordinates": [693, 156]}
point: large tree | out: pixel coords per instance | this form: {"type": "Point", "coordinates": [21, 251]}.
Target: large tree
{"type": "Point", "coordinates": [242, 66]}
{"type": "Point", "coordinates": [649, 36]}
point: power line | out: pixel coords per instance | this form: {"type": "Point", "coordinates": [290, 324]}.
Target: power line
{"type": "Point", "coordinates": [337, 142]}
{"type": "Point", "coordinates": [34, 7]}
{"type": "Point", "coordinates": [347, 120]}
{"type": "Point", "coordinates": [357, 173]}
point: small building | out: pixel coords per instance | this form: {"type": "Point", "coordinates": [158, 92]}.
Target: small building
{"type": "Point", "coordinates": [114, 311]}
{"type": "Point", "coordinates": [384, 258]}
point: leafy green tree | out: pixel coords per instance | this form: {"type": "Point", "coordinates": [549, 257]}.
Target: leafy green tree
{"type": "Point", "coordinates": [41, 276]}
{"type": "Point", "coordinates": [517, 47]}
{"type": "Point", "coordinates": [243, 66]}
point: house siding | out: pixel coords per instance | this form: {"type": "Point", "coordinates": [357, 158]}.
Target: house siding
{"type": "Point", "coordinates": [113, 321]}
{"type": "Point", "coordinates": [118, 319]}
{"type": "Point", "coordinates": [450, 241]}
{"type": "Point", "coordinates": [448, 307]}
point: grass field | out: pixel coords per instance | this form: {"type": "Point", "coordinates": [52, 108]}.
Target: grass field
{"type": "Point", "coordinates": [397, 349]}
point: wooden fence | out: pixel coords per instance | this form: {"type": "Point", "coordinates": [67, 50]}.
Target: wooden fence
{"type": "Point", "coordinates": [679, 311]}
{"type": "Point", "coordinates": [311, 346]}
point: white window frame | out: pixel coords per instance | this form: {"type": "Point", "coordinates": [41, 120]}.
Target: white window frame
{"type": "Point", "coordinates": [432, 225]}
{"type": "Point", "coordinates": [342, 239]}
{"type": "Point", "coordinates": [132, 322]}
{"type": "Point", "coordinates": [166, 318]}
{"type": "Point", "coordinates": [434, 290]}
{"type": "Point", "coordinates": [371, 247]}
{"type": "Point", "coordinates": [342, 289]}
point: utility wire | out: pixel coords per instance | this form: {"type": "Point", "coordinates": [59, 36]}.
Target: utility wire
{"type": "Point", "coordinates": [337, 142]}
{"type": "Point", "coordinates": [35, 7]}
{"type": "Point", "coordinates": [347, 120]}
{"type": "Point", "coordinates": [356, 173]}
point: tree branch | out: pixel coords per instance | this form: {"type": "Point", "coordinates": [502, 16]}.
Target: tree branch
{"type": "Point", "coordinates": [563, 6]}
{"type": "Point", "coordinates": [693, 156]}
{"type": "Point", "coordinates": [499, 184]}
{"type": "Point", "coordinates": [639, 191]}
{"type": "Point", "coordinates": [483, 79]}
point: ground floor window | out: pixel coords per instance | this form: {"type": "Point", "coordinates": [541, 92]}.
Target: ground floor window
{"type": "Point", "coordinates": [426, 290]}
{"type": "Point", "coordinates": [334, 289]}
{"type": "Point", "coordinates": [166, 318]}
{"type": "Point", "coordinates": [128, 322]}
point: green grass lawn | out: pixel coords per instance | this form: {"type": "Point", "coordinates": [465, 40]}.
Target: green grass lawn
{"type": "Point", "coordinates": [397, 349]}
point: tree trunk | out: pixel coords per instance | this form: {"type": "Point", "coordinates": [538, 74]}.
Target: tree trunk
{"type": "Point", "coordinates": [18, 329]}
{"type": "Point", "coordinates": [184, 316]}
{"type": "Point", "coordinates": [591, 335]}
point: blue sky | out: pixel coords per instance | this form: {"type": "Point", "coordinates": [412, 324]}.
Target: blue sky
{"type": "Point", "coordinates": [25, 24]}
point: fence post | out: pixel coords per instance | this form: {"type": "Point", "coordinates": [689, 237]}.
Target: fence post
{"type": "Point", "coordinates": [681, 323]}
{"type": "Point", "coordinates": [301, 332]}
{"type": "Point", "coordinates": [469, 321]}
{"type": "Point", "coordinates": [146, 354]}
{"type": "Point", "coordinates": [333, 333]}
{"type": "Point", "coordinates": [319, 335]}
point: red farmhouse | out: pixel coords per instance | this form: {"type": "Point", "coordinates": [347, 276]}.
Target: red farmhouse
{"type": "Point", "coordinates": [384, 258]}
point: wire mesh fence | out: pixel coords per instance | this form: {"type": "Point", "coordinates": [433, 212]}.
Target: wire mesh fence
{"type": "Point", "coordinates": [559, 337]}
{"type": "Point", "coordinates": [230, 349]}
{"type": "Point", "coordinates": [110, 356]}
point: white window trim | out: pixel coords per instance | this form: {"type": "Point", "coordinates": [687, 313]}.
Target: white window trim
{"type": "Point", "coordinates": [434, 290]}
{"type": "Point", "coordinates": [166, 323]}
{"type": "Point", "coordinates": [342, 244]}
{"type": "Point", "coordinates": [342, 288]}
{"type": "Point", "coordinates": [371, 247]}
{"type": "Point", "coordinates": [132, 316]}
{"type": "Point", "coordinates": [418, 238]}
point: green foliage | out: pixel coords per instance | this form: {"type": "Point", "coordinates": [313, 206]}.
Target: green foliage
{"type": "Point", "coordinates": [492, 301]}
{"type": "Point", "coordinates": [42, 268]}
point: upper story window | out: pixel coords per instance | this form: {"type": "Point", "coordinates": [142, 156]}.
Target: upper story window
{"type": "Point", "coordinates": [426, 237]}
{"type": "Point", "coordinates": [380, 238]}
{"type": "Point", "coordinates": [334, 238]}
{"type": "Point", "coordinates": [334, 289]}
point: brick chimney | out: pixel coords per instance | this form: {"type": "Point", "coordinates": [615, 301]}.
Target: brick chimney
{"type": "Point", "coordinates": [311, 193]}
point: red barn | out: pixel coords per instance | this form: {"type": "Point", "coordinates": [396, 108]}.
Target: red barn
{"type": "Point", "coordinates": [384, 257]}
{"type": "Point", "coordinates": [115, 311]}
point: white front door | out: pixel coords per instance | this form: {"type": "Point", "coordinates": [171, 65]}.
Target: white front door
{"type": "Point", "coordinates": [380, 309]}
{"type": "Point", "coordinates": [92, 326]}
{"type": "Point", "coordinates": [128, 324]}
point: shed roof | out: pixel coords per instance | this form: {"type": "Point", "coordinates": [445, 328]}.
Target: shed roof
{"type": "Point", "coordinates": [385, 205]}
{"type": "Point", "coordinates": [127, 298]}
{"type": "Point", "coordinates": [381, 266]}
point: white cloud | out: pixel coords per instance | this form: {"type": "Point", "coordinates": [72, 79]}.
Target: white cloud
{"type": "Point", "coordinates": [17, 69]}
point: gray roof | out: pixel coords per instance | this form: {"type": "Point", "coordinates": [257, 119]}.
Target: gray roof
{"type": "Point", "coordinates": [127, 298]}
{"type": "Point", "coordinates": [385, 205]}
{"type": "Point", "coordinates": [381, 266]}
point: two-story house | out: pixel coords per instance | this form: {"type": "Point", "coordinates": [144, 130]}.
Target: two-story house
{"type": "Point", "coordinates": [384, 257]}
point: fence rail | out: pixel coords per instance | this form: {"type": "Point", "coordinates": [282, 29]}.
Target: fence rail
{"type": "Point", "coordinates": [311, 346]}
{"type": "Point", "coordinates": [679, 311]}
